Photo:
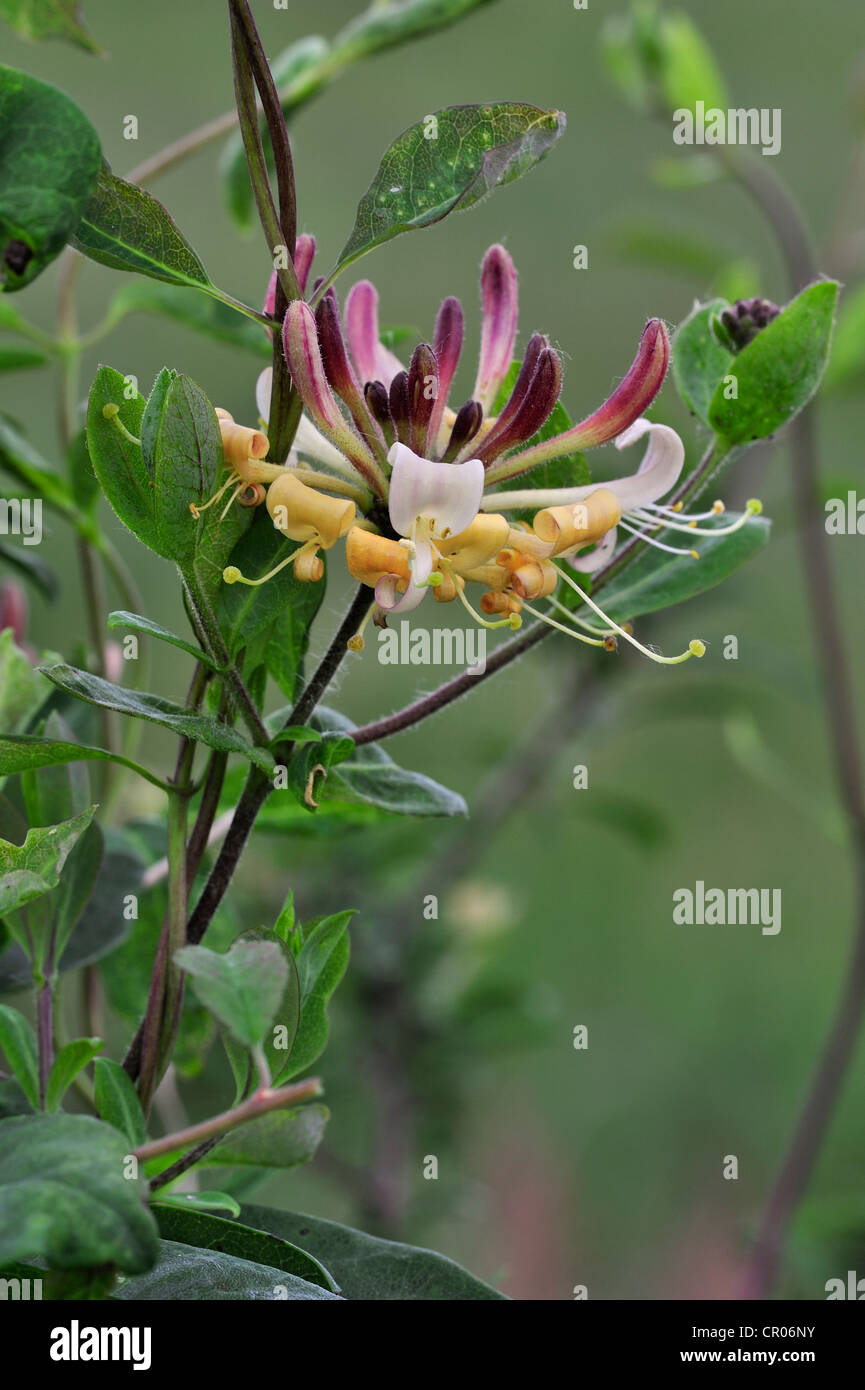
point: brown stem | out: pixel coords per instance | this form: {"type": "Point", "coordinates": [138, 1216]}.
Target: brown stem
{"type": "Point", "coordinates": [259, 1104]}
{"type": "Point", "coordinates": [842, 724]}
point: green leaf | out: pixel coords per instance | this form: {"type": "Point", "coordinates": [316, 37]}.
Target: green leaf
{"type": "Point", "coordinates": [84, 483]}
{"type": "Point", "coordinates": [186, 461]}
{"type": "Point", "coordinates": [367, 1268]}
{"type": "Point", "coordinates": [126, 228]}
{"type": "Point", "coordinates": [370, 775]}
{"type": "Point", "coordinates": [12, 359]}
{"type": "Point", "coordinates": [101, 927]}
{"type": "Point", "coordinates": [184, 1273]}
{"type": "Point", "coordinates": [432, 170]}
{"type": "Point", "coordinates": [384, 25]}
{"type": "Point", "coordinates": [699, 361]}
{"type": "Point", "coordinates": [689, 72]}
{"type": "Point", "coordinates": [271, 621]}
{"type": "Point", "coordinates": [20, 686]}
{"type": "Point", "coordinates": [204, 315]}
{"type": "Point", "coordinates": [570, 471]}
{"type": "Point", "coordinates": [28, 871]}
{"type": "Point", "coordinates": [64, 1196]}
{"type": "Point", "coordinates": [321, 964]}
{"type": "Point", "coordinates": [18, 457]}
{"type": "Point", "coordinates": [48, 19]}
{"type": "Point", "coordinates": [21, 752]}
{"type": "Point", "coordinates": [139, 705]}
{"type": "Point", "coordinates": [76, 886]}
{"type": "Point", "coordinates": [281, 1035]}
{"type": "Point", "coordinates": [243, 987]}
{"type": "Point", "coordinates": [117, 1101]}
{"type": "Point", "coordinates": [117, 460]}
{"type": "Point", "coordinates": [19, 1044]}
{"type": "Point", "coordinates": [52, 794]}
{"type": "Point", "coordinates": [135, 622]}
{"type": "Point", "coordinates": [49, 164]}
{"type": "Point", "coordinates": [657, 580]}
{"type": "Point", "coordinates": [40, 575]}
{"type": "Point", "coordinates": [847, 363]}
{"type": "Point", "coordinates": [780, 369]}
{"type": "Point", "coordinates": [233, 1238]}
{"type": "Point", "coordinates": [280, 1139]}
{"type": "Point", "coordinates": [198, 1201]}
{"type": "Point", "coordinates": [70, 1060]}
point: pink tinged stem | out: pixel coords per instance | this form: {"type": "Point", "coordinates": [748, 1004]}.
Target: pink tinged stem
{"type": "Point", "coordinates": [499, 302]}
{"type": "Point", "coordinates": [340, 373]}
{"type": "Point", "coordinates": [447, 346]}
{"type": "Point", "coordinates": [302, 352]}
{"type": "Point", "coordinates": [373, 361]}
{"type": "Point", "coordinates": [632, 396]}
{"type": "Point", "coordinates": [532, 411]}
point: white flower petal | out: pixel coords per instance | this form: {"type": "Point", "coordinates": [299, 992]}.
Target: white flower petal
{"type": "Point", "coordinates": [447, 495]}
{"type": "Point", "coordinates": [656, 475]}
{"type": "Point", "coordinates": [263, 388]}
{"type": "Point", "coordinates": [597, 558]}
{"type": "Point", "coordinates": [390, 600]}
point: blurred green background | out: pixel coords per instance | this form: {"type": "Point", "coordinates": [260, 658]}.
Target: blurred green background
{"type": "Point", "coordinates": [557, 1167]}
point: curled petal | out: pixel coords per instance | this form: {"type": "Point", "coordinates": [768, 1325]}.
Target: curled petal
{"type": "Point", "coordinates": [660, 469]}
{"type": "Point", "coordinates": [499, 301]}
{"type": "Point", "coordinates": [632, 396]}
{"type": "Point", "coordinates": [371, 358]}
{"type": "Point", "coordinates": [597, 558]}
{"type": "Point", "coordinates": [446, 495]}
{"type": "Point", "coordinates": [391, 601]}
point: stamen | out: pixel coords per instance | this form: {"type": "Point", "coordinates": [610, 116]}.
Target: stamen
{"type": "Point", "coordinates": [695, 646]}
{"type": "Point", "coordinates": [753, 507]}
{"type": "Point", "coordinates": [717, 509]}
{"type": "Point", "coordinates": [356, 643]}
{"type": "Point", "coordinates": [513, 620]}
{"type": "Point", "coordinates": [659, 545]}
{"type": "Point", "coordinates": [232, 575]}
{"type": "Point", "coordinates": [198, 507]}
{"type": "Point", "coordinates": [112, 412]}
{"type": "Point", "coordinates": [581, 622]}
{"type": "Point", "coordinates": [568, 631]}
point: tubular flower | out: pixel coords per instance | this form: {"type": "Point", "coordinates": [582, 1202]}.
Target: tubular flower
{"type": "Point", "coordinates": [428, 477]}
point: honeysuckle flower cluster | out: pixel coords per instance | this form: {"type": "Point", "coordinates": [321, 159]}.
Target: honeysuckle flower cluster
{"type": "Point", "coordinates": [414, 486]}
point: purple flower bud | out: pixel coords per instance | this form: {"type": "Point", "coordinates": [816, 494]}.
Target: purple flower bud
{"type": "Point", "coordinates": [534, 408]}
{"type": "Point", "coordinates": [499, 302]}
{"type": "Point", "coordinates": [423, 389]}
{"type": "Point", "coordinates": [399, 405]}
{"type": "Point", "coordinates": [447, 345]}
{"type": "Point", "coordinates": [302, 352]}
{"type": "Point", "coordinates": [340, 372]}
{"type": "Point", "coordinates": [466, 425]}
{"type": "Point", "coordinates": [376, 398]}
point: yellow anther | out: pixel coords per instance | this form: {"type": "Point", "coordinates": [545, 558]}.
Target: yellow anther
{"type": "Point", "coordinates": [695, 554]}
